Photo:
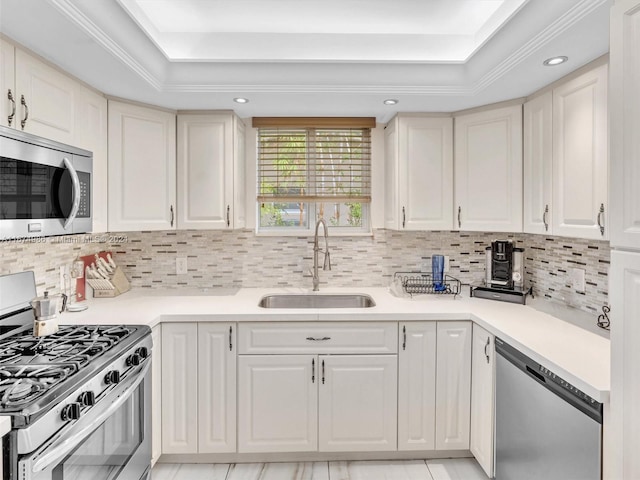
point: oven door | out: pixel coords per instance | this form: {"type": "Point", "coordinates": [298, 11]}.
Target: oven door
{"type": "Point", "coordinates": [107, 443]}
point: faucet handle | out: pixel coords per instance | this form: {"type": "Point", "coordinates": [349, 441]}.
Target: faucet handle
{"type": "Point", "coordinates": [327, 261]}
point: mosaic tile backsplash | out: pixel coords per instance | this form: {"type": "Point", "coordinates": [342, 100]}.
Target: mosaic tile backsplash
{"type": "Point", "coordinates": [242, 259]}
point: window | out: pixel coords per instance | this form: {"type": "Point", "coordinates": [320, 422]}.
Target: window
{"type": "Point", "coordinates": [311, 172]}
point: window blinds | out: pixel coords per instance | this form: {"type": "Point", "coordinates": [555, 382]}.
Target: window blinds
{"type": "Point", "coordinates": [314, 165]}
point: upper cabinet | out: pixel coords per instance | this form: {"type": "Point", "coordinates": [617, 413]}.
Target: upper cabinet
{"type": "Point", "coordinates": [488, 170]}
{"type": "Point", "coordinates": [538, 165]}
{"type": "Point", "coordinates": [211, 171]}
{"type": "Point", "coordinates": [142, 168]}
{"type": "Point", "coordinates": [419, 173]}
{"type": "Point", "coordinates": [7, 84]}
{"type": "Point", "coordinates": [580, 156]}
{"type": "Point", "coordinates": [624, 118]}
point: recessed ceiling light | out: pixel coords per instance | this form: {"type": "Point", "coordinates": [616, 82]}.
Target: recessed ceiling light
{"type": "Point", "coordinates": [550, 62]}
{"type": "Point", "coordinates": [241, 100]}
{"type": "Point", "coordinates": [390, 101]}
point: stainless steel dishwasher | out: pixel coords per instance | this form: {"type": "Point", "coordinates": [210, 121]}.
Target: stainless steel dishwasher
{"type": "Point", "coordinates": [545, 427]}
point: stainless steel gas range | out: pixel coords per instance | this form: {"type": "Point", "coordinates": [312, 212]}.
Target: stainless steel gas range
{"type": "Point", "coordinates": [79, 400]}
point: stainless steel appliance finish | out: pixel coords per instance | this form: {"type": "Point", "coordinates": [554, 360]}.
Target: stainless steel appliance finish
{"type": "Point", "coordinates": [545, 427]}
{"type": "Point", "coordinates": [79, 399]}
{"type": "Point", "coordinates": [316, 301]}
{"type": "Point", "coordinates": [45, 187]}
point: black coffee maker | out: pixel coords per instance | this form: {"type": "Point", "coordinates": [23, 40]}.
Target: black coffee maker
{"type": "Point", "coordinates": [504, 278]}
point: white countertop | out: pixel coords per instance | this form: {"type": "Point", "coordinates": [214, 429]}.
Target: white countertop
{"type": "Point", "coordinates": [580, 356]}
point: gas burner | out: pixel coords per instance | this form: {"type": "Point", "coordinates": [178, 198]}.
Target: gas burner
{"type": "Point", "coordinates": [21, 384]}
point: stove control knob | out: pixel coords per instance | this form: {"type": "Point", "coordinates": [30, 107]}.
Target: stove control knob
{"type": "Point", "coordinates": [143, 352]}
{"type": "Point", "coordinates": [134, 359]}
{"type": "Point", "coordinates": [112, 377]}
{"type": "Point", "coordinates": [87, 399]}
{"type": "Point", "coordinates": [70, 412]}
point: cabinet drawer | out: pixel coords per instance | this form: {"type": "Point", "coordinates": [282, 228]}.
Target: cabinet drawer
{"type": "Point", "coordinates": [317, 337]}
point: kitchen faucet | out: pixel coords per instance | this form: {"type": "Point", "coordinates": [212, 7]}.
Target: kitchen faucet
{"type": "Point", "coordinates": [316, 250]}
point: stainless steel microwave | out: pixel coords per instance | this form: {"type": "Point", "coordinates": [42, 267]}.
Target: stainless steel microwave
{"type": "Point", "coordinates": [45, 187]}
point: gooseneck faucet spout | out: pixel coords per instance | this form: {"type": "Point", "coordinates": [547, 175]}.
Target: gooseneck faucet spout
{"type": "Point", "coordinates": [316, 250]}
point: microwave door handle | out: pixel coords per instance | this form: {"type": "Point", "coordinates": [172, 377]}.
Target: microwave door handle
{"type": "Point", "coordinates": [61, 449]}
{"type": "Point", "coordinates": [76, 193]}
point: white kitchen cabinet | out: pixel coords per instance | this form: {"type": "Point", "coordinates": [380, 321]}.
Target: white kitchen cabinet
{"type": "Point", "coordinates": [142, 168]}
{"type": "Point", "coordinates": [156, 394]}
{"type": "Point", "coordinates": [580, 156]}
{"type": "Point", "coordinates": [278, 403]}
{"type": "Point", "coordinates": [488, 170]}
{"type": "Point", "coordinates": [91, 134]}
{"type": "Point", "coordinates": [198, 388]}
{"type": "Point", "coordinates": [482, 398]}
{"type": "Point", "coordinates": [419, 173]}
{"type": "Point", "coordinates": [538, 164]}
{"type": "Point", "coordinates": [453, 385]}
{"type": "Point", "coordinates": [179, 388]}
{"type": "Point", "coordinates": [216, 388]}
{"type": "Point", "coordinates": [625, 365]}
{"type": "Point", "coordinates": [211, 171]}
{"type": "Point", "coordinates": [624, 102]}
{"type": "Point", "coordinates": [357, 403]}
{"type": "Point", "coordinates": [417, 386]}
{"type": "Point", "coordinates": [7, 84]}
{"type": "Point", "coordinates": [49, 98]}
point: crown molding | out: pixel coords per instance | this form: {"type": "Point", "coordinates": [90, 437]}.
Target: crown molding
{"type": "Point", "coordinates": [72, 12]}
{"type": "Point", "coordinates": [350, 89]}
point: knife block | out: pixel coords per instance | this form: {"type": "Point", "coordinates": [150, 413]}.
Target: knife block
{"type": "Point", "coordinates": [117, 284]}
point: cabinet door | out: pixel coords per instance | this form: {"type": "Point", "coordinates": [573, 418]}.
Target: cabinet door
{"type": "Point", "coordinates": [156, 394]}
{"type": "Point", "coordinates": [216, 388]}
{"type": "Point", "coordinates": [50, 98]}
{"type": "Point", "coordinates": [205, 171]}
{"type": "Point", "coordinates": [425, 186]}
{"type": "Point", "coordinates": [622, 437]}
{"type": "Point", "coordinates": [391, 209]}
{"type": "Point", "coordinates": [8, 107]}
{"type": "Point", "coordinates": [580, 156]}
{"type": "Point", "coordinates": [488, 170]}
{"type": "Point", "coordinates": [538, 165]}
{"type": "Point", "coordinates": [417, 386]}
{"type": "Point", "coordinates": [91, 134]}
{"type": "Point", "coordinates": [277, 403]}
{"type": "Point", "coordinates": [482, 398]}
{"type": "Point", "coordinates": [453, 385]}
{"type": "Point", "coordinates": [358, 403]}
{"type": "Point", "coordinates": [179, 388]}
{"type": "Point", "coordinates": [624, 102]}
{"type": "Point", "coordinates": [142, 168]}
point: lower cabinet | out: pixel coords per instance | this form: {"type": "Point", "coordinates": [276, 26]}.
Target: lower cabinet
{"type": "Point", "coordinates": [453, 385]}
{"type": "Point", "coordinates": [277, 403]}
{"type": "Point", "coordinates": [198, 388]}
{"type": "Point", "coordinates": [305, 403]}
{"type": "Point", "coordinates": [482, 398]}
{"type": "Point", "coordinates": [434, 380]}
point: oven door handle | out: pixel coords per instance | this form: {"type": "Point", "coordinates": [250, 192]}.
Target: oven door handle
{"type": "Point", "coordinates": [75, 206]}
{"type": "Point", "coordinates": [62, 448]}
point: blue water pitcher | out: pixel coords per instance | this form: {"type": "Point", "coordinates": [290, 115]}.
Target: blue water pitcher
{"type": "Point", "coordinates": [437, 272]}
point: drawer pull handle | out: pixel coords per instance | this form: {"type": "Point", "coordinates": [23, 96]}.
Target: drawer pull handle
{"type": "Point", "coordinates": [13, 107]}
{"type": "Point", "coordinates": [23, 102]}
{"type": "Point", "coordinates": [323, 372]}
{"type": "Point", "coordinates": [315, 339]}
{"type": "Point", "coordinates": [600, 219]}
{"type": "Point", "coordinates": [544, 218]}
{"type": "Point", "coordinates": [231, 338]}
{"type": "Point", "coordinates": [313, 370]}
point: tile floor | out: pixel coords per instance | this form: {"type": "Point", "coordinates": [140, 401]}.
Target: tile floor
{"type": "Point", "coordinates": [447, 469]}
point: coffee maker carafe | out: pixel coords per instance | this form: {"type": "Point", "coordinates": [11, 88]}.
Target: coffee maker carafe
{"type": "Point", "coordinates": [504, 265]}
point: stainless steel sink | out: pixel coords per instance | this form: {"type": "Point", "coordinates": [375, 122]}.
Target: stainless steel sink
{"type": "Point", "coordinates": [316, 301]}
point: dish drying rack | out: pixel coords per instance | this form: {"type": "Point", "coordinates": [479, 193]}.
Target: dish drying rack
{"type": "Point", "coordinates": [422, 283]}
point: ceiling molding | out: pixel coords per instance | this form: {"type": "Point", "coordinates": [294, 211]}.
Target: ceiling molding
{"type": "Point", "coordinates": [70, 11]}
{"type": "Point", "coordinates": [350, 89]}
{"type": "Point", "coordinates": [566, 21]}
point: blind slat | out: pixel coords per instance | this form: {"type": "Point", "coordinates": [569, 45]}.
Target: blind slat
{"type": "Point", "coordinates": [314, 165]}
